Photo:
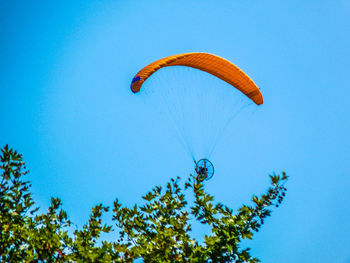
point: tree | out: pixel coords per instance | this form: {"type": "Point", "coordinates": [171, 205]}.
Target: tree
{"type": "Point", "coordinates": [157, 231]}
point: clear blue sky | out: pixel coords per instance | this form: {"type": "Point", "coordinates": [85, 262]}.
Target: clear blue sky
{"type": "Point", "coordinates": [66, 105]}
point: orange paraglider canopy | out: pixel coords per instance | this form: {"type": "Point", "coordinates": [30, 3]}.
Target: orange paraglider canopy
{"type": "Point", "coordinates": [212, 64]}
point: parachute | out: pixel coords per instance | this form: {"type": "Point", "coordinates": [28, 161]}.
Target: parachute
{"type": "Point", "coordinates": [196, 105]}
{"type": "Point", "coordinates": [212, 64]}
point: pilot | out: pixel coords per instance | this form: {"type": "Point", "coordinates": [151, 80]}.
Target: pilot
{"type": "Point", "coordinates": [202, 172]}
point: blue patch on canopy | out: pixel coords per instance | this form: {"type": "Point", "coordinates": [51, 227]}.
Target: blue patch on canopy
{"type": "Point", "coordinates": [137, 78]}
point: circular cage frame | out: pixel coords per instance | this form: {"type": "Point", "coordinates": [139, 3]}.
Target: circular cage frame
{"type": "Point", "coordinates": [204, 169]}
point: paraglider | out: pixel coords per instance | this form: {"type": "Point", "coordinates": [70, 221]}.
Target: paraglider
{"type": "Point", "coordinates": [212, 64]}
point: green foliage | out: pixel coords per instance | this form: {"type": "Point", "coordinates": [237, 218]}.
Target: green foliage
{"type": "Point", "coordinates": [157, 231]}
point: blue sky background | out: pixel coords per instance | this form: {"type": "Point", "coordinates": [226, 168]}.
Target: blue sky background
{"type": "Point", "coordinates": [65, 73]}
